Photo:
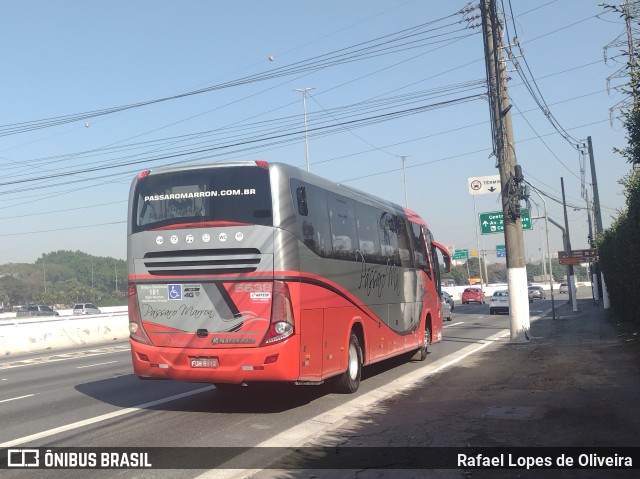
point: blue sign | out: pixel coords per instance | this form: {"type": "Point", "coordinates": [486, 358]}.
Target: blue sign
{"type": "Point", "coordinates": [174, 291]}
{"type": "Point", "coordinates": [501, 251]}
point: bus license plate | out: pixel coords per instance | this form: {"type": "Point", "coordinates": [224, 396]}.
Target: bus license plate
{"type": "Point", "coordinates": [205, 362]}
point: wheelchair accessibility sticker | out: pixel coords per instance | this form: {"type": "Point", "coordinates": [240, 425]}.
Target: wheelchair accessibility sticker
{"type": "Point", "coordinates": [174, 291]}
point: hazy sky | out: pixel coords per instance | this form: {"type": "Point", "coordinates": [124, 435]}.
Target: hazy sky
{"type": "Point", "coordinates": [389, 79]}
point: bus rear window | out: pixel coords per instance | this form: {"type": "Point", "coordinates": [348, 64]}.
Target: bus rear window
{"type": "Point", "coordinates": [206, 195]}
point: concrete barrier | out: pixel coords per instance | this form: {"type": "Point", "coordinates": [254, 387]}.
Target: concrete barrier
{"type": "Point", "coordinates": [41, 333]}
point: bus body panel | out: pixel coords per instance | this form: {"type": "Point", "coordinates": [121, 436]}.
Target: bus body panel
{"type": "Point", "coordinates": [221, 274]}
{"type": "Point", "coordinates": [235, 365]}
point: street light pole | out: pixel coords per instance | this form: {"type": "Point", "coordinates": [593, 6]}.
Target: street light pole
{"type": "Point", "coordinates": [546, 226]}
{"type": "Point", "coordinates": [304, 106]}
{"type": "Point", "coordinates": [404, 176]}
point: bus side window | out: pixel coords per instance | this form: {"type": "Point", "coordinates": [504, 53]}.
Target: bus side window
{"type": "Point", "coordinates": [404, 243]}
{"type": "Point", "coordinates": [388, 239]}
{"type": "Point", "coordinates": [368, 238]}
{"type": "Point", "coordinates": [313, 226]}
{"type": "Point", "coordinates": [422, 255]}
{"type": "Point", "coordinates": [343, 231]}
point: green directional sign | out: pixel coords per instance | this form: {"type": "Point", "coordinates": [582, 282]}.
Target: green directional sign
{"type": "Point", "coordinates": [460, 254]}
{"type": "Point", "coordinates": [501, 251]}
{"type": "Point", "coordinates": [493, 222]}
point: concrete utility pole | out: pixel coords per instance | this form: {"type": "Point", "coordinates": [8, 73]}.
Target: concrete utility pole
{"type": "Point", "coordinates": [572, 277]}
{"type": "Point", "coordinates": [597, 214]}
{"type": "Point", "coordinates": [510, 174]}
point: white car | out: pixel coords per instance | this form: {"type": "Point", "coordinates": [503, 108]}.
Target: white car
{"type": "Point", "coordinates": [447, 311]}
{"type": "Point", "coordinates": [85, 308]}
{"type": "Point", "coordinates": [499, 302]}
{"type": "Point", "coordinates": [564, 288]}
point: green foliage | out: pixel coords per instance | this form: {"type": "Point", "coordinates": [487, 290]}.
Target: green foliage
{"type": "Point", "coordinates": [62, 278]}
{"type": "Point", "coordinates": [498, 272]}
{"type": "Point", "coordinates": [619, 253]}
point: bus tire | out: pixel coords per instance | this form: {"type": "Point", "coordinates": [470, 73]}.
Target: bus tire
{"type": "Point", "coordinates": [424, 349]}
{"type": "Point", "coordinates": [349, 381]}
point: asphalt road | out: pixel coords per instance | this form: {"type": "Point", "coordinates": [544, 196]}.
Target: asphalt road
{"type": "Point", "coordinates": [88, 397]}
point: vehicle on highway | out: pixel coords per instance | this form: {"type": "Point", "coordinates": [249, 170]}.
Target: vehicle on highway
{"type": "Point", "coordinates": [36, 310]}
{"type": "Point", "coordinates": [564, 288]}
{"type": "Point", "coordinates": [536, 292]}
{"type": "Point", "coordinates": [250, 271]}
{"type": "Point", "coordinates": [473, 295]}
{"type": "Point", "coordinates": [499, 302]}
{"type": "Point", "coordinates": [85, 308]}
{"type": "Point", "coordinates": [447, 298]}
{"type": "Point", "coordinates": [447, 311]}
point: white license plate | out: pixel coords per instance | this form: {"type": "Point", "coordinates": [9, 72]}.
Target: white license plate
{"type": "Point", "coordinates": [206, 362]}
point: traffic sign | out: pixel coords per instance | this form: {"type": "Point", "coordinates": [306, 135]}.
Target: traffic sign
{"type": "Point", "coordinates": [566, 261]}
{"type": "Point", "coordinates": [460, 254]}
{"type": "Point", "coordinates": [581, 255]}
{"type": "Point", "coordinates": [493, 222]}
{"type": "Point", "coordinates": [484, 185]}
{"type": "Point", "coordinates": [501, 251]}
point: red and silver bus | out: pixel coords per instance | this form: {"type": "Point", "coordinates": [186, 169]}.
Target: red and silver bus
{"type": "Point", "coordinates": [245, 272]}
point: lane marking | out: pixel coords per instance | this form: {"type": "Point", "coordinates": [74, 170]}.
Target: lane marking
{"type": "Point", "coordinates": [97, 364]}
{"type": "Point", "coordinates": [19, 363]}
{"type": "Point", "coordinates": [97, 419]}
{"type": "Point", "coordinates": [16, 398]}
{"type": "Point", "coordinates": [332, 420]}
{"type": "Point", "coordinates": [452, 324]}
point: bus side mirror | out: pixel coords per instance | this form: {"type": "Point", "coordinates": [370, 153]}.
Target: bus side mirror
{"type": "Point", "coordinates": [447, 263]}
{"type": "Point", "coordinates": [301, 195]}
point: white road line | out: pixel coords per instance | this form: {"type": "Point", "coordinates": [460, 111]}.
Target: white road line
{"type": "Point", "coordinates": [104, 417]}
{"type": "Point", "coordinates": [332, 420]}
{"type": "Point", "coordinates": [97, 364]}
{"type": "Point", "coordinates": [19, 397]}
{"type": "Point", "coordinates": [54, 358]}
{"type": "Point", "coordinates": [453, 324]}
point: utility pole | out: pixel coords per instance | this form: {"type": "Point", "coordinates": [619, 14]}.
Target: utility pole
{"type": "Point", "coordinates": [597, 214]}
{"type": "Point", "coordinates": [572, 277]}
{"type": "Point", "coordinates": [510, 173]}
{"type": "Point", "coordinates": [478, 252]}
{"type": "Point", "coordinates": [404, 176]}
{"type": "Point", "coordinates": [592, 267]}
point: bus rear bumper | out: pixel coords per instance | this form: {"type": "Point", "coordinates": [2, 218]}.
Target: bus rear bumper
{"type": "Point", "coordinates": [271, 363]}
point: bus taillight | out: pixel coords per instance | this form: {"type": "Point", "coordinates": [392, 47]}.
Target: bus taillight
{"type": "Point", "coordinates": [136, 330]}
{"type": "Point", "coordinates": [281, 326]}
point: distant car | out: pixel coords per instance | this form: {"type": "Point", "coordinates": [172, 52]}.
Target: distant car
{"type": "Point", "coordinates": [472, 295]}
{"type": "Point", "coordinates": [499, 302]}
{"type": "Point", "coordinates": [536, 292]}
{"type": "Point", "coordinates": [564, 288]}
{"type": "Point", "coordinates": [447, 311]}
{"type": "Point", "coordinates": [447, 298]}
{"type": "Point", "coordinates": [36, 310]}
{"type": "Point", "coordinates": [85, 308]}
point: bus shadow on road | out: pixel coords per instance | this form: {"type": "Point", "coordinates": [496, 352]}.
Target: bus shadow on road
{"type": "Point", "coordinates": [127, 391]}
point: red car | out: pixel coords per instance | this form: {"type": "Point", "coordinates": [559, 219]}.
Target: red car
{"type": "Point", "coordinates": [474, 295]}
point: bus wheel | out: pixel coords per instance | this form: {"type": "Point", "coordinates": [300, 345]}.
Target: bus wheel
{"type": "Point", "coordinates": [424, 349]}
{"type": "Point", "coordinates": [349, 381]}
